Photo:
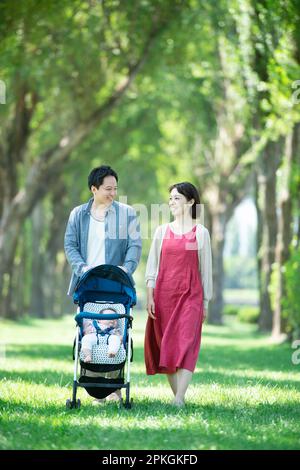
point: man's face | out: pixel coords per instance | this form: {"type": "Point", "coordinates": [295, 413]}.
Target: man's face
{"type": "Point", "coordinates": [107, 191]}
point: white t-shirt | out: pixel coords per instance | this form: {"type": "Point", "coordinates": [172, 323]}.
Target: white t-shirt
{"type": "Point", "coordinates": [96, 243]}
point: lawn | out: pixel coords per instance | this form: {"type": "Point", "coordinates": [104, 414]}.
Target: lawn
{"type": "Point", "coordinates": [245, 394]}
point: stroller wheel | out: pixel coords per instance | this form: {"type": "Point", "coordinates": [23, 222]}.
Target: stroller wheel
{"type": "Point", "coordinates": [69, 404]}
{"type": "Point", "coordinates": [128, 404]}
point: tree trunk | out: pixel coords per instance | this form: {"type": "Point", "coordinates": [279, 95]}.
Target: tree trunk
{"type": "Point", "coordinates": [224, 199]}
{"type": "Point", "coordinates": [258, 235]}
{"type": "Point", "coordinates": [53, 277]}
{"type": "Point", "coordinates": [219, 214]}
{"type": "Point", "coordinates": [37, 306]}
{"type": "Point", "coordinates": [6, 309]}
{"type": "Point", "coordinates": [49, 165]}
{"type": "Point", "coordinates": [20, 281]}
{"type": "Point", "coordinates": [218, 242]}
{"type": "Point", "coordinates": [285, 231]}
{"type": "Point", "coordinates": [267, 198]}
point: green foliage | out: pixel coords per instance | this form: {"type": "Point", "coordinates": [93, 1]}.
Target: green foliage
{"type": "Point", "coordinates": [244, 314]}
{"type": "Point", "coordinates": [291, 302]}
{"type": "Point", "coordinates": [248, 314]}
{"type": "Point", "coordinates": [231, 310]}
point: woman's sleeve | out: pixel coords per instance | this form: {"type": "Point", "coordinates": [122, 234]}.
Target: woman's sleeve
{"type": "Point", "coordinates": [152, 262]}
{"type": "Point", "coordinates": [206, 268]}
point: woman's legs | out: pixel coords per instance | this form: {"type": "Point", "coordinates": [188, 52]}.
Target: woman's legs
{"type": "Point", "coordinates": [172, 378]}
{"type": "Point", "coordinates": [184, 378]}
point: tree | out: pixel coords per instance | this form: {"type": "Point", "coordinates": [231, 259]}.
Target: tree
{"type": "Point", "coordinates": [101, 79]}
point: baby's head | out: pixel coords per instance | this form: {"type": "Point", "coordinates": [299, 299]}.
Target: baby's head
{"type": "Point", "coordinates": [109, 311]}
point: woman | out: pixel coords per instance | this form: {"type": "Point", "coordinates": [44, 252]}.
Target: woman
{"type": "Point", "coordinates": [179, 287]}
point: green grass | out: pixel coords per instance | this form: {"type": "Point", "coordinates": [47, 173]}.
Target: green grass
{"type": "Point", "coordinates": [245, 394]}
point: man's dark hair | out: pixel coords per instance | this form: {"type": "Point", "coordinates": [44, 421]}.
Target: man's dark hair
{"type": "Point", "coordinates": [190, 192]}
{"type": "Point", "coordinates": [98, 174]}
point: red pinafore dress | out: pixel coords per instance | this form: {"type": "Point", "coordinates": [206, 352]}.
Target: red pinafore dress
{"type": "Point", "coordinates": [172, 341]}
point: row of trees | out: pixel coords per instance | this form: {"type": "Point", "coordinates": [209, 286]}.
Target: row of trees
{"type": "Point", "coordinates": [163, 91]}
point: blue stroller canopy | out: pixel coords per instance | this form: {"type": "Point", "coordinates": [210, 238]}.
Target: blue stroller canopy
{"type": "Point", "coordinates": [105, 282]}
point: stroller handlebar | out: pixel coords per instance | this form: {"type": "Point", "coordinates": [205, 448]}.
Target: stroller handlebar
{"type": "Point", "coordinates": [101, 316]}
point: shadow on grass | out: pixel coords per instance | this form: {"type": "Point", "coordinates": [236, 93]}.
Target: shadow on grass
{"type": "Point", "coordinates": [233, 359]}
{"type": "Point", "coordinates": [270, 357]}
{"type": "Point", "coordinates": [49, 378]}
{"type": "Point", "coordinates": [235, 335]}
{"type": "Point", "coordinates": [264, 358]}
{"type": "Point", "coordinates": [149, 407]}
{"type": "Point", "coordinates": [56, 352]}
{"type": "Point", "coordinates": [152, 425]}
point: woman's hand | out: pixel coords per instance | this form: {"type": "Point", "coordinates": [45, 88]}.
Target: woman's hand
{"type": "Point", "coordinates": [204, 315]}
{"type": "Point", "coordinates": [151, 309]}
{"type": "Point", "coordinates": [151, 304]}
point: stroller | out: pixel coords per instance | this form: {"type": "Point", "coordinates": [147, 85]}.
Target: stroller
{"type": "Point", "coordinates": [104, 287]}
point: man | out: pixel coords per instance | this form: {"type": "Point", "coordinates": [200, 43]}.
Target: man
{"type": "Point", "coordinates": [102, 231]}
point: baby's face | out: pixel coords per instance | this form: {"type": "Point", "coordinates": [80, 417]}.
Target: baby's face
{"type": "Point", "coordinates": [107, 311]}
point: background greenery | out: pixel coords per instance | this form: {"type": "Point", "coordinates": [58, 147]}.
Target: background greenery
{"type": "Point", "coordinates": [163, 91]}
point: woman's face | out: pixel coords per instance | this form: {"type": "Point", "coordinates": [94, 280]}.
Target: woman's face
{"type": "Point", "coordinates": [178, 203]}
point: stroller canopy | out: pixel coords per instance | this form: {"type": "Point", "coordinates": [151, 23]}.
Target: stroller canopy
{"type": "Point", "coordinates": [105, 283]}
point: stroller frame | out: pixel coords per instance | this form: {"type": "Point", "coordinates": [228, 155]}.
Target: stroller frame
{"type": "Point", "coordinates": [124, 285]}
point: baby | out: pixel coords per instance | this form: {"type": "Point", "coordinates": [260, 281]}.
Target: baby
{"type": "Point", "coordinates": [107, 327]}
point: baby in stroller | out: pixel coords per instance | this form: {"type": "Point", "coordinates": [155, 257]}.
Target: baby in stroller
{"type": "Point", "coordinates": [93, 328]}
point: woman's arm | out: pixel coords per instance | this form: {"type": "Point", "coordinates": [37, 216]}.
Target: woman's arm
{"type": "Point", "coordinates": [206, 268]}
{"type": "Point", "coordinates": [153, 258]}
{"type": "Point", "coordinates": [151, 270]}
{"type": "Point", "coordinates": [150, 302]}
